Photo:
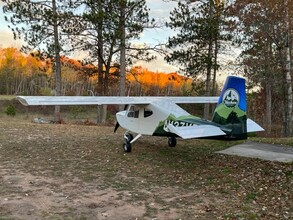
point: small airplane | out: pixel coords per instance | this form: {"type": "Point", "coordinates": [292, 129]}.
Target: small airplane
{"type": "Point", "coordinates": [161, 116]}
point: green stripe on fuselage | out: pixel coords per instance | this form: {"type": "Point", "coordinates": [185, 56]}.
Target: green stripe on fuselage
{"type": "Point", "coordinates": [182, 121]}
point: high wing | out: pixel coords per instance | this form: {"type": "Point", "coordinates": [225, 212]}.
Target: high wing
{"type": "Point", "coordinates": [110, 100]}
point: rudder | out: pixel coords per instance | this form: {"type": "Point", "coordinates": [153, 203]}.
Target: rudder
{"type": "Point", "coordinates": [230, 112]}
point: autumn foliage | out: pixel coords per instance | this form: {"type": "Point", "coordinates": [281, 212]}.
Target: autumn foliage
{"type": "Point", "coordinates": [32, 74]}
{"type": "Point", "coordinates": [22, 74]}
{"type": "Point", "coordinates": [146, 82]}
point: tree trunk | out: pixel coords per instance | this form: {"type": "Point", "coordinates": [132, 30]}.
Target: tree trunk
{"type": "Point", "coordinates": [215, 66]}
{"type": "Point", "coordinates": [100, 53]}
{"type": "Point", "coordinates": [209, 64]}
{"type": "Point", "coordinates": [214, 87]}
{"type": "Point", "coordinates": [288, 129]}
{"type": "Point", "coordinates": [122, 53]}
{"type": "Point", "coordinates": [268, 85]}
{"type": "Point", "coordinates": [102, 114]}
{"type": "Point", "coordinates": [207, 93]}
{"type": "Point", "coordinates": [101, 109]}
{"type": "Point", "coordinates": [57, 116]}
{"type": "Point", "coordinates": [289, 95]}
{"type": "Point", "coordinates": [268, 112]}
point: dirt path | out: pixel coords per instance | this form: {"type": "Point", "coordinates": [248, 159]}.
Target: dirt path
{"type": "Point", "coordinates": [24, 196]}
{"type": "Point", "coordinates": [31, 197]}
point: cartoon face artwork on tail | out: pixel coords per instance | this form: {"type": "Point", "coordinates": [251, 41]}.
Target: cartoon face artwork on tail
{"type": "Point", "coordinates": [230, 112]}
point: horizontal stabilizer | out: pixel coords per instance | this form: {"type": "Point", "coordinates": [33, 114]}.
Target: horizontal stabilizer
{"type": "Point", "coordinates": [252, 126]}
{"type": "Point", "coordinates": [196, 131]}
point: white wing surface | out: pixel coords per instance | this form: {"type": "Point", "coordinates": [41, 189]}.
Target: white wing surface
{"type": "Point", "coordinates": [110, 100]}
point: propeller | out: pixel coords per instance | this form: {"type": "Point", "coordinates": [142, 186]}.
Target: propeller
{"type": "Point", "coordinates": [117, 123]}
{"type": "Point", "coordinates": [116, 126]}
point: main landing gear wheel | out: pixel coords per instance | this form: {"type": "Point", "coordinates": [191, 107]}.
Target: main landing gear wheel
{"type": "Point", "coordinates": [127, 145]}
{"type": "Point", "coordinates": [172, 141]}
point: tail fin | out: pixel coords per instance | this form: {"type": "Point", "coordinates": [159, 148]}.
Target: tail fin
{"type": "Point", "coordinates": [230, 112]}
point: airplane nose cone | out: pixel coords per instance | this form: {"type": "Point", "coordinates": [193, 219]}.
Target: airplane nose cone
{"type": "Point", "coordinates": [120, 117]}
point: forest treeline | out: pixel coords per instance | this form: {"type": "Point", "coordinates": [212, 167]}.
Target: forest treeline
{"type": "Point", "coordinates": [28, 74]}
{"type": "Point", "coordinates": [203, 33]}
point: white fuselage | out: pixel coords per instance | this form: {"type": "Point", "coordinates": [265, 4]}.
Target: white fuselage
{"type": "Point", "coordinates": [144, 119]}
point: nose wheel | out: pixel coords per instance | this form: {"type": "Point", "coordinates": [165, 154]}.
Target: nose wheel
{"type": "Point", "coordinates": [172, 141]}
{"type": "Point", "coordinates": [127, 145]}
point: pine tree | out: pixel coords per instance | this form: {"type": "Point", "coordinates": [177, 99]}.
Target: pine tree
{"type": "Point", "coordinates": [104, 30]}
{"type": "Point", "coordinates": [196, 46]}
{"type": "Point", "coordinates": [39, 24]}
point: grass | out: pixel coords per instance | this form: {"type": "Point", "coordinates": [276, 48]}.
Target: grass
{"type": "Point", "coordinates": [281, 141]}
{"type": "Point", "coordinates": [7, 97]}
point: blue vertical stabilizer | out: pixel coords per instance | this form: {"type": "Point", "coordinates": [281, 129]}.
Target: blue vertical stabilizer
{"type": "Point", "coordinates": [230, 112]}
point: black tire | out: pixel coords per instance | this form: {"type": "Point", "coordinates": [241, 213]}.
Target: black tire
{"type": "Point", "coordinates": [127, 147]}
{"type": "Point", "coordinates": [129, 137]}
{"type": "Point", "coordinates": [172, 141]}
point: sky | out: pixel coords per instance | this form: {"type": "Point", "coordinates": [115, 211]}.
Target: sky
{"type": "Point", "coordinates": [6, 36]}
{"type": "Point", "coordinates": [158, 9]}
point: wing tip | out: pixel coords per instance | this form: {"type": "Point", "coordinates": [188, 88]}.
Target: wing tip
{"type": "Point", "coordinates": [22, 100]}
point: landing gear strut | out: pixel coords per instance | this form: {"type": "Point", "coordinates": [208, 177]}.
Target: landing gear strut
{"type": "Point", "coordinates": [127, 145]}
{"type": "Point", "coordinates": [172, 141]}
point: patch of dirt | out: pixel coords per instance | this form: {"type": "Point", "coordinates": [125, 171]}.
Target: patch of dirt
{"type": "Point", "coordinates": [42, 197]}
{"type": "Point", "coordinates": [50, 171]}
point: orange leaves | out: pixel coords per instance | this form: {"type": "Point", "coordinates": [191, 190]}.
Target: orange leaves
{"type": "Point", "coordinates": [160, 80]}
{"type": "Point", "coordinates": [26, 65]}
{"type": "Point", "coordinates": [33, 71]}
{"type": "Point", "coordinates": [9, 56]}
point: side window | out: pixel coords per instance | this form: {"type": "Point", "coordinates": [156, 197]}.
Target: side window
{"type": "Point", "coordinates": [133, 112]}
{"type": "Point", "coordinates": [147, 113]}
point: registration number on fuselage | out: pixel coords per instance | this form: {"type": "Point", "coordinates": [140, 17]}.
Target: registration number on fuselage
{"type": "Point", "coordinates": [176, 124]}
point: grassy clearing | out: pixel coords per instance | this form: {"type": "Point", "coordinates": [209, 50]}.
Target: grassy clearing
{"type": "Point", "coordinates": [187, 182]}
{"type": "Point", "coordinates": [7, 97]}
{"type": "Point", "coordinates": [281, 141]}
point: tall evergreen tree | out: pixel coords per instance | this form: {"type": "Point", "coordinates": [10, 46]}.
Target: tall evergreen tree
{"type": "Point", "coordinates": [196, 45]}
{"type": "Point", "coordinates": [105, 30]}
{"type": "Point", "coordinates": [39, 24]}
{"type": "Point", "coordinates": [101, 27]}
